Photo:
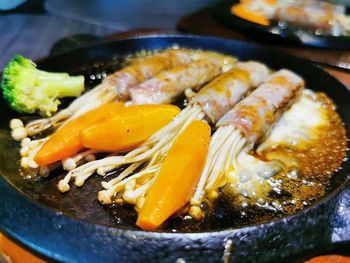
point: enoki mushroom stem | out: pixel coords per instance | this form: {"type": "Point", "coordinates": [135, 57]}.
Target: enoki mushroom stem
{"type": "Point", "coordinates": [105, 196]}
{"type": "Point", "coordinates": [29, 150]}
{"type": "Point", "coordinates": [226, 143]}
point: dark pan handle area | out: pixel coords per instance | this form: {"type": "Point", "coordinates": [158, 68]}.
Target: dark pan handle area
{"type": "Point", "coordinates": [341, 219]}
{"type": "Point", "coordinates": [322, 227]}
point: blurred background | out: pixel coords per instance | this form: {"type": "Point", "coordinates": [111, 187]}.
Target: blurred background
{"type": "Point", "coordinates": [34, 28]}
{"type": "Point", "coordinates": [31, 27]}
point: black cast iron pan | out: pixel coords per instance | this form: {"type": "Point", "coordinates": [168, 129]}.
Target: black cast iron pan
{"type": "Point", "coordinates": [290, 34]}
{"type": "Point", "coordinates": [73, 227]}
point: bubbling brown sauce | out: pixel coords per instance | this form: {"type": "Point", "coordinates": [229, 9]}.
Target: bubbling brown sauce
{"type": "Point", "coordinates": [316, 162]}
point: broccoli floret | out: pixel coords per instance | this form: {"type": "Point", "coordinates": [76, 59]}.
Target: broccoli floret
{"type": "Point", "coordinates": [29, 90]}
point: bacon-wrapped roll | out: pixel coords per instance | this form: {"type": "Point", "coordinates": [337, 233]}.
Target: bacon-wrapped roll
{"type": "Point", "coordinates": [220, 95]}
{"type": "Point", "coordinates": [146, 68]}
{"type": "Point", "coordinates": [240, 128]}
{"type": "Point", "coordinates": [166, 86]}
{"type": "Point", "coordinates": [255, 115]}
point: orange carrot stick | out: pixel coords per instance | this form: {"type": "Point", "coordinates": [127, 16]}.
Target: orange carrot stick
{"type": "Point", "coordinates": [66, 141]}
{"type": "Point", "coordinates": [177, 178]}
{"type": "Point", "coordinates": [241, 11]}
{"type": "Point", "coordinates": [271, 2]}
{"type": "Point", "coordinates": [248, 2]}
{"type": "Point", "coordinates": [130, 128]}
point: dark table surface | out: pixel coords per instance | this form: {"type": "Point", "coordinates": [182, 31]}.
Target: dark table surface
{"type": "Point", "coordinates": [34, 35]}
{"type": "Point", "coordinates": [32, 29]}
{"type": "Point", "coordinates": [123, 15]}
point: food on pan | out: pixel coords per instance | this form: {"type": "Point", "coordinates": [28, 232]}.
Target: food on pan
{"type": "Point", "coordinates": [241, 128]}
{"type": "Point", "coordinates": [211, 101]}
{"type": "Point", "coordinates": [115, 86]}
{"type": "Point", "coordinates": [29, 90]}
{"type": "Point", "coordinates": [320, 17]}
{"type": "Point", "coordinates": [166, 89]}
{"type": "Point", "coordinates": [246, 137]}
{"type": "Point", "coordinates": [201, 67]}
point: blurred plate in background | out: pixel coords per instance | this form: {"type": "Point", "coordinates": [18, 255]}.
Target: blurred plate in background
{"type": "Point", "coordinates": [222, 12]}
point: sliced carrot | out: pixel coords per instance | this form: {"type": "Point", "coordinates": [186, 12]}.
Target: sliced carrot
{"type": "Point", "coordinates": [66, 141]}
{"type": "Point", "coordinates": [248, 2]}
{"type": "Point", "coordinates": [241, 11]}
{"type": "Point", "coordinates": [129, 129]}
{"type": "Point", "coordinates": [178, 176]}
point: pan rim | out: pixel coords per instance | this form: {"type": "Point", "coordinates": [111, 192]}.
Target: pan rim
{"type": "Point", "coordinates": [191, 235]}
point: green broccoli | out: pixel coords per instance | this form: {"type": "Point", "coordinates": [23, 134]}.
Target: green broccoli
{"type": "Point", "coordinates": [29, 90]}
